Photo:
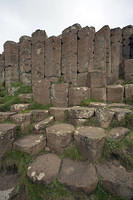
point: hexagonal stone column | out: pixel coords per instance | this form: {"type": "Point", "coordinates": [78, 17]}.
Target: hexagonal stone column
{"type": "Point", "coordinates": [90, 142]}
{"type": "Point", "coordinates": [99, 94]}
{"type": "Point", "coordinates": [59, 136]}
{"type": "Point", "coordinates": [115, 93]}
{"type": "Point", "coordinates": [31, 144]}
{"type": "Point", "coordinates": [78, 175]}
{"type": "Point", "coordinates": [129, 92]}
{"type": "Point", "coordinates": [7, 137]}
{"type": "Point", "coordinates": [128, 69]}
{"type": "Point", "coordinates": [44, 168]}
{"type": "Point", "coordinates": [2, 72]}
{"type": "Point", "coordinates": [97, 79]}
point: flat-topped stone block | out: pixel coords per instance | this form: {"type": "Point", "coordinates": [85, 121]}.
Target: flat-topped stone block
{"type": "Point", "coordinates": [118, 133]}
{"type": "Point", "coordinates": [44, 168]}
{"type": "Point", "coordinates": [6, 115]}
{"type": "Point", "coordinates": [60, 114]}
{"type": "Point", "coordinates": [19, 107]}
{"type": "Point", "coordinates": [7, 137]}
{"type": "Point", "coordinates": [90, 142]}
{"type": "Point", "coordinates": [31, 144]}
{"type": "Point", "coordinates": [78, 112]}
{"type": "Point", "coordinates": [39, 115]}
{"type": "Point", "coordinates": [78, 175]}
{"type": "Point", "coordinates": [115, 93]}
{"type": "Point", "coordinates": [99, 94]}
{"type": "Point", "coordinates": [26, 97]}
{"type": "Point", "coordinates": [129, 92]}
{"type": "Point", "coordinates": [40, 127]}
{"type": "Point", "coordinates": [128, 69]}
{"type": "Point", "coordinates": [59, 136]}
{"type": "Point", "coordinates": [120, 113]}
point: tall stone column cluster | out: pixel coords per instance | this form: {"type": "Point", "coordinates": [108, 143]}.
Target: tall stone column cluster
{"type": "Point", "coordinates": [78, 64]}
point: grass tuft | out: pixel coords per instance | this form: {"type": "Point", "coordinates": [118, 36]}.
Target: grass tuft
{"type": "Point", "coordinates": [73, 153]}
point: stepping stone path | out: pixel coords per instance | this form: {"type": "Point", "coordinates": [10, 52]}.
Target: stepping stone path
{"type": "Point", "coordinates": [59, 136]}
{"type": "Point", "coordinates": [31, 144]}
{"type": "Point", "coordinates": [40, 127]}
{"type": "Point", "coordinates": [118, 133]}
{"type": "Point", "coordinates": [44, 169]}
{"type": "Point", "coordinates": [78, 175]}
{"type": "Point", "coordinates": [116, 179]}
{"type": "Point", "coordinates": [19, 107]}
{"type": "Point", "coordinates": [7, 137]}
{"type": "Point", "coordinates": [90, 142]}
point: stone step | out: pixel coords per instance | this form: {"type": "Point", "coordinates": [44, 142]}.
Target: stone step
{"type": "Point", "coordinates": [6, 115]}
{"type": "Point", "coordinates": [39, 115]}
{"type": "Point", "coordinates": [7, 137]}
{"type": "Point", "coordinates": [31, 144]}
{"type": "Point", "coordinates": [26, 97]}
{"type": "Point", "coordinates": [40, 127]}
{"type": "Point", "coordinates": [19, 107]}
{"type": "Point", "coordinates": [59, 136]}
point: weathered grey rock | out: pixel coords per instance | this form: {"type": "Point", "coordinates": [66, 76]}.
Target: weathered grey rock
{"type": "Point", "coordinates": [115, 93]}
{"type": "Point", "coordinates": [85, 49]}
{"type": "Point", "coordinates": [116, 53]}
{"type": "Point", "coordinates": [11, 63]}
{"type": "Point", "coordinates": [60, 114]}
{"type": "Point", "coordinates": [59, 136]}
{"type": "Point", "coordinates": [118, 133]}
{"type": "Point", "coordinates": [53, 57]}
{"type": "Point", "coordinates": [78, 122]}
{"type": "Point", "coordinates": [39, 115]}
{"type": "Point", "coordinates": [78, 175]}
{"type": "Point", "coordinates": [120, 113]}
{"type": "Point", "coordinates": [98, 94]}
{"type": "Point", "coordinates": [25, 60]}
{"type": "Point", "coordinates": [6, 115]}
{"type": "Point", "coordinates": [128, 69]}
{"type": "Point", "coordinates": [104, 116]}
{"type": "Point", "coordinates": [8, 184]}
{"type": "Point", "coordinates": [69, 54]}
{"type": "Point", "coordinates": [38, 49]}
{"type": "Point", "coordinates": [82, 79]}
{"type": "Point", "coordinates": [90, 142]}
{"type": "Point", "coordinates": [97, 79]}
{"type": "Point", "coordinates": [22, 119]}
{"type": "Point", "coordinates": [129, 92]}
{"type": "Point", "coordinates": [2, 73]}
{"type": "Point", "coordinates": [31, 144]}
{"type": "Point", "coordinates": [78, 94]}
{"type": "Point", "coordinates": [41, 91]}
{"type": "Point", "coordinates": [40, 127]}
{"type": "Point", "coordinates": [7, 137]}
{"type": "Point", "coordinates": [117, 105]}
{"type": "Point", "coordinates": [26, 97]}
{"type": "Point", "coordinates": [59, 95]}
{"type": "Point", "coordinates": [44, 168]}
{"type": "Point", "coordinates": [19, 107]}
{"type": "Point", "coordinates": [78, 112]}
{"type": "Point", "coordinates": [97, 104]}
{"type": "Point", "coordinates": [116, 180]}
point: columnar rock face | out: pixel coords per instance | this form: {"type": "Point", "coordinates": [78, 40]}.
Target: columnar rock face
{"type": "Point", "coordinates": [53, 57]}
{"type": "Point", "coordinates": [1, 69]}
{"type": "Point", "coordinates": [38, 49]}
{"type": "Point", "coordinates": [116, 53]}
{"type": "Point", "coordinates": [11, 63]}
{"type": "Point", "coordinates": [69, 54]}
{"type": "Point", "coordinates": [25, 60]}
{"type": "Point", "coordinates": [128, 69]}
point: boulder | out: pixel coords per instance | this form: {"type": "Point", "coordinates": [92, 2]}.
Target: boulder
{"type": "Point", "coordinates": [40, 127]}
{"type": "Point", "coordinates": [44, 168]}
{"type": "Point", "coordinates": [39, 115]}
{"type": "Point", "coordinates": [116, 179]}
{"type": "Point", "coordinates": [7, 137]}
{"type": "Point", "coordinates": [90, 142]}
{"type": "Point", "coordinates": [104, 116]}
{"type": "Point", "coordinates": [78, 175]}
{"type": "Point", "coordinates": [19, 107]}
{"type": "Point", "coordinates": [31, 144]}
{"type": "Point", "coordinates": [59, 136]}
{"type": "Point", "coordinates": [118, 133]}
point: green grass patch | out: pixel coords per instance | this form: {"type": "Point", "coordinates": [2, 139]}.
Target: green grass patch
{"type": "Point", "coordinates": [73, 153]}
{"type": "Point", "coordinates": [86, 102]}
{"type": "Point", "coordinates": [60, 80]}
{"type": "Point", "coordinates": [37, 106]}
{"type": "Point", "coordinates": [92, 122]}
{"type": "Point", "coordinates": [127, 122]}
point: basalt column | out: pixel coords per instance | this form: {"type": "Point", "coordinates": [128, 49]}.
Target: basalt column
{"type": "Point", "coordinates": [116, 54]}
{"type": "Point", "coordinates": [25, 61]}
{"type": "Point", "coordinates": [38, 39]}
{"type": "Point", "coordinates": [85, 54]}
{"type": "Point", "coordinates": [11, 63]}
{"type": "Point", "coordinates": [1, 69]}
{"type": "Point", "coordinates": [53, 58]}
{"type": "Point", "coordinates": [69, 54]}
